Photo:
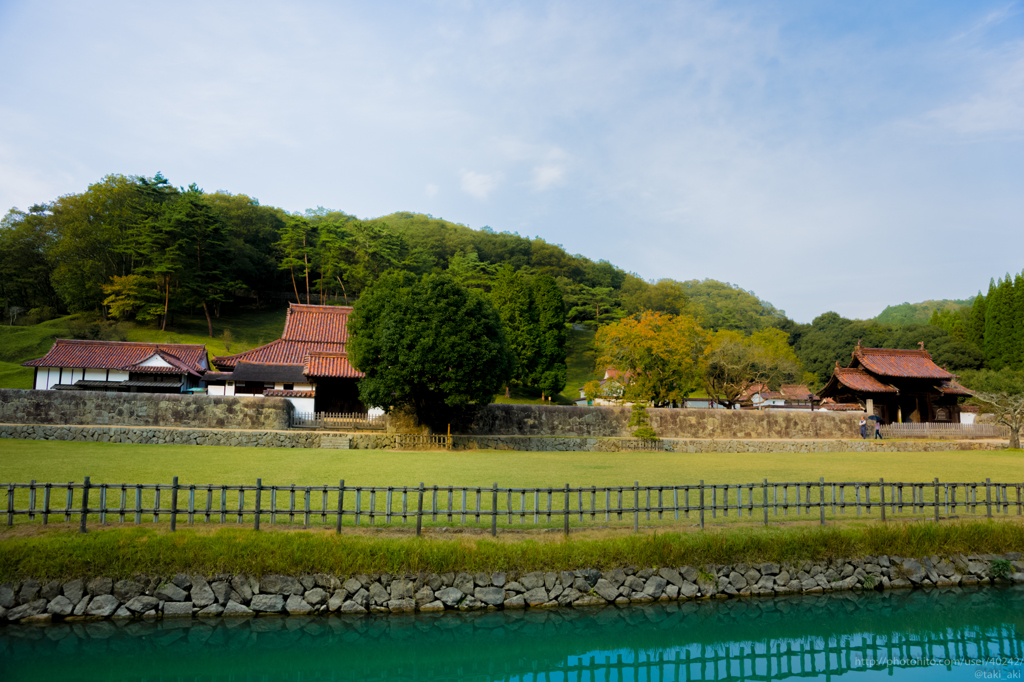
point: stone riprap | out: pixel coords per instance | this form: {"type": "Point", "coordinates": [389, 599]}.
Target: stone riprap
{"type": "Point", "coordinates": [365, 441]}
{"type": "Point", "coordinates": [142, 409]}
{"type": "Point", "coordinates": [189, 596]}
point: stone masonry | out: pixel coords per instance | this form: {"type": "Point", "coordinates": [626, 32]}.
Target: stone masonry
{"type": "Point", "coordinates": [193, 596]}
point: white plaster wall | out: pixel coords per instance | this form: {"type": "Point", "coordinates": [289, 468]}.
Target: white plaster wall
{"type": "Point", "coordinates": [301, 404]}
{"type": "Point", "coordinates": [155, 361]}
{"type": "Point", "coordinates": [967, 417]}
{"type": "Point", "coordinates": [96, 374]}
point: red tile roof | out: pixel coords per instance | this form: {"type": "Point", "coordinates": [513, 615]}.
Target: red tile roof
{"type": "Point", "coordinates": [892, 362]}
{"type": "Point", "coordinates": [279, 352]}
{"type": "Point", "coordinates": [953, 388]}
{"type": "Point", "coordinates": [842, 407]}
{"type": "Point", "coordinates": [859, 380]}
{"type": "Point", "coordinates": [307, 329]}
{"type": "Point", "coordinates": [330, 365]}
{"type": "Point", "coordinates": [320, 323]}
{"type": "Point", "coordinates": [277, 393]}
{"type": "Point", "coordinates": [795, 392]}
{"type": "Point", "coordinates": [123, 355]}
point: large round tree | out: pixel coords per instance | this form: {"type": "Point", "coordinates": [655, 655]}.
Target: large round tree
{"type": "Point", "coordinates": [428, 345]}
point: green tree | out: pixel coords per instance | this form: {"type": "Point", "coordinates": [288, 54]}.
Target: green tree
{"type": "Point", "coordinates": [297, 250]}
{"type": "Point", "coordinates": [512, 299]}
{"type": "Point", "coordinates": [658, 355]}
{"type": "Point", "coordinates": [24, 270]}
{"type": "Point", "coordinates": [202, 249]}
{"type": "Point", "coordinates": [428, 345]}
{"type": "Point", "coordinates": [549, 367]}
{"type": "Point", "coordinates": [732, 363]}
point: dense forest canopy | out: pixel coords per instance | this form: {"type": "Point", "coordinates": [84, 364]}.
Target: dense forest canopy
{"type": "Point", "coordinates": [141, 250]}
{"type": "Point", "coordinates": [920, 313]}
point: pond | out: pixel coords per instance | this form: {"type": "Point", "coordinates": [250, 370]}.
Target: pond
{"type": "Point", "coordinates": [970, 633]}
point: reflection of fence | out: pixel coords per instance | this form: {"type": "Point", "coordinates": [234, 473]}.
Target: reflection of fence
{"type": "Point", "coordinates": [968, 649]}
{"type": "Point", "coordinates": [355, 421]}
{"type": "Point", "coordinates": [210, 503]}
{"type": "Point", "coordinates": [940, 430]}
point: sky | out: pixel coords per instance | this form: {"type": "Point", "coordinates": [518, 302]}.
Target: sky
{"type": "Point", "coordinates": [825, 155]}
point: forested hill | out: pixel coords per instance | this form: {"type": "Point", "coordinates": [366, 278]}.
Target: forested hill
{"type": "Point", "coordinates": [139, 249]}
{"type": "Point", "coordinates": [920, 313]}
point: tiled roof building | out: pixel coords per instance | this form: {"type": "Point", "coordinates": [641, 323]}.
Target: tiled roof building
{"type": "Point", "coordinates": [309, 361]}
{"type": "Point", "coordinates": [897, 385]}
{"type": "Point", "coordinates": [77, 364]}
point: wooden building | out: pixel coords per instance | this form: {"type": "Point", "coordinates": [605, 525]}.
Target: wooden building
{"type": "Point", "coordinates": [897, 385]}
{"type": "Point", "coordinates": [120, 366]}
{"type": "Point", "coordinates": [308, 365]}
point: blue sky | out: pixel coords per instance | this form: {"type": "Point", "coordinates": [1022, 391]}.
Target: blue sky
{"type": "Point", "coordinates": [828, 156]}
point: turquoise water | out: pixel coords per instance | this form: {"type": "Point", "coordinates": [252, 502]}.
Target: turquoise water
{"type": "Point", "coordinates": [904, 635]}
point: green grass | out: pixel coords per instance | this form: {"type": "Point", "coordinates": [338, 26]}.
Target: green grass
{"type": "Point", "coordinates": [52, 461]}
{"type": "Point", "coordinates": [122, 552]}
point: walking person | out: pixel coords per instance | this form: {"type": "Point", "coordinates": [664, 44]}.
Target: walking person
{"type": "Point", "coordinates": [878, 430]}
{"type": "Point", "coordinates": [863, 428]}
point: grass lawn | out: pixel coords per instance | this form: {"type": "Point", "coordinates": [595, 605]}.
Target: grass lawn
{"type": "Point", "coordinates": [53, 461]}
{"type": "Point", "coordinates": [109, 463]}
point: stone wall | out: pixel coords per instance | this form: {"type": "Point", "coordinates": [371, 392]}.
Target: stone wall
{"type": "Point", "coordinates": [141, 409]}
{"type": "Point", "coordinates": [158, 436]}
{"type": "Point", "coordinates": [613, 422]}
{"type": "Point", "coordinates": [188, 596]}
{"type": "Point", "coordinates": [372, 441]}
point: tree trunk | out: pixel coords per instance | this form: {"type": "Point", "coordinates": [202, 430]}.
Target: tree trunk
{"type": "Point", "coordinates": [343, 289]}
{"type": "Point", "coordinates": [508, 391]}
{"type": "Point", "coordinates": [295, 286]}
{"type": "Point", "coordinates": [167, 302]}
{"type": "Point", "coordinates": [209, 324]}
{"type": "Point", "coordinates": [1015, 435]}
{"type": "Point", "coordinates": [305, 259]}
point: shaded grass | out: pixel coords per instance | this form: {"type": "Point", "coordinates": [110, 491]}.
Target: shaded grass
{"type": "Point", "coordinates": [120, 553]}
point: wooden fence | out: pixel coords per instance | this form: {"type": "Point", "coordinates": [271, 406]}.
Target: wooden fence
{"type": "Point", "coordinates": [940, 430]}
{"type": "Point", "coordinates": [338, 421]}
{"type": "Point", "coordinates": [208, 503]}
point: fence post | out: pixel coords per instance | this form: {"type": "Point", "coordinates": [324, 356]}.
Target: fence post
{"type": "Point", "coordinates": [881, 491]}
{"type": "Point", "coordinates": [341, 500]}
{"type": "Point", "coordinates": [174, 504]}
{"type": "Point", "coordinates": [419, 512]}
{"type": "Point", "coordinates": [85, 502]}
{"type": "Point", "coordinates": [765, 501]}
{"type": "Point", "coordinates": [494, 509]}
{"type": "Point", "coordinates": [636, 506]}
{"type": "Point", "coordinates": [566, 510]}
{"type": "Point", "coordinates": [259, 491]}
{"type": "Point", "coordinates": [702, 504]}
{"type": "Point", "coordinates": [821, 498]}
{"type": "Point", "coordinates": [10, 504]}
{"type": "Point", "coordinates": [936, 500]}
{"type": "Point", "coordinates": [988, 497]}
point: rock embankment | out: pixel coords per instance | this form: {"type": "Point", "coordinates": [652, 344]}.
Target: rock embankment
{"type": "Point", "coordinates": [188, 596]}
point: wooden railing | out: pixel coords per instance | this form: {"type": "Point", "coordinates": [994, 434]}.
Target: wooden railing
{"type": "Point", "coordinates": [338, 421]}
{"type": "Point", "coordinates": [941, 430]}
{"type": "Point", "coordinates": [210, 503]}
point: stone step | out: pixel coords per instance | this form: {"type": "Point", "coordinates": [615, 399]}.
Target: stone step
{"type": "Point", "coordinates": [335, 442]}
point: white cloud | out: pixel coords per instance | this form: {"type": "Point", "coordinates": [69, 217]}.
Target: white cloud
{"type": "Point", "coordinates": [997, 107]}
{"type": "Point", "coordinates": [479, 185]}
{"type": "Point", "coordinates": [548, 176]}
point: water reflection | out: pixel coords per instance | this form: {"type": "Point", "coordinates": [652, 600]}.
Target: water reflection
{"type": "Point", "coordinates": [921, 634]}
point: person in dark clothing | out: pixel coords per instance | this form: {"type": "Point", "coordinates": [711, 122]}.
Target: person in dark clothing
{"type": "Point", "coordinates": [878, 430]}
{"type": "Point", "coordinates": [863, 428]}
